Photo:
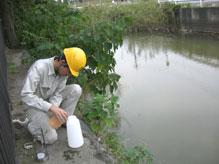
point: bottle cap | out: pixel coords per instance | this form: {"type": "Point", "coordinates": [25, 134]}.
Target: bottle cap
{"type": "Point", "coordinates": [41, 155]}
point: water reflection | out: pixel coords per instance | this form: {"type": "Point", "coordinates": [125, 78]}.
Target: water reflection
{"type": "Point", "coordinates": [169, 97]}
{"type": "Point", "coordinates": [151, 45]}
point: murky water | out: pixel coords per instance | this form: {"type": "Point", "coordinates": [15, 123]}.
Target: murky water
{"type": "Point", "coordinates": [169, 97]}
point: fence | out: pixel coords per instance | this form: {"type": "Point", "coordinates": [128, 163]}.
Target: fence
{"type": "Point", "coordinates": [196, 2]}
{"type": "Point", "coordinates": [7, 139]}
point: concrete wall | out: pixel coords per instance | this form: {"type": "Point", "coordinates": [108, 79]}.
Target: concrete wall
{"type": "Point", "coordinates": [200, 19]}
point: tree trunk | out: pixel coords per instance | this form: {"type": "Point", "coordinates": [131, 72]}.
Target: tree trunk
{"type": "Point", "coordinates": [9, 31]}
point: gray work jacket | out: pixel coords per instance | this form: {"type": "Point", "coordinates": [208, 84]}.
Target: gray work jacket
{"type": "Point", "coordinates": [42, 87]}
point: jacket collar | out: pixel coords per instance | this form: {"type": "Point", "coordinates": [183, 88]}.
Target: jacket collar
{"type": "Point", "coordinates": [51, 66]}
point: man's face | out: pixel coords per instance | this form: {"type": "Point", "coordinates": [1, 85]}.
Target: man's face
{"type": "Point", "coordinates": [64, 71]}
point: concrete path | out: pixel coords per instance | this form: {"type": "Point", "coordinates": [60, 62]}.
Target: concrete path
{"type": "Point", "coordinates": [92, 152]}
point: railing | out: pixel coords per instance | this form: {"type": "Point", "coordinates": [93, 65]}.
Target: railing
{"type": "Point", "coordinates": [200, 2]}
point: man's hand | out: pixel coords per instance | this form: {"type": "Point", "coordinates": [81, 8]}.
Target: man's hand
{"type": "Point", "coordinates": [60, 113]}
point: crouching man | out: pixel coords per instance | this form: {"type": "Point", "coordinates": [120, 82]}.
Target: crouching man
{"type": "Point", "coordinates": [46, 94]}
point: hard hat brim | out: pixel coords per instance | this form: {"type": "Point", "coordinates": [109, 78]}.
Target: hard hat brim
{"type": "Point", "coordinates": [74, 73]}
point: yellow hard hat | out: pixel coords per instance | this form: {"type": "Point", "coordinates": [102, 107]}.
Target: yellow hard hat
{"type": "Point", "coordinates": [76, 59]}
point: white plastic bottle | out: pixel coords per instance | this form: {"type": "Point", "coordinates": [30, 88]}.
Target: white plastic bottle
{"type": "Point", "coordinates": [74, 133]}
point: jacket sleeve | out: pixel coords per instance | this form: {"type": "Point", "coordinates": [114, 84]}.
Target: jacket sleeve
{"type": "Point", "coordinates": [28, 91]}
{"type": "Point", "coordinates": [56, 99]}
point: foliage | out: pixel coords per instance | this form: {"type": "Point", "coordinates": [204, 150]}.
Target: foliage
{"type": "Point", "coordinates": [142, 13]}
{"type": "Point", "coordinates": [145, 15]}
{"type": "Point", "coordinates": [171, 12]}
{"type": "Point", "coordinates": [135, 155]}
{"type": "Point", "coordinates": [45, 29]}
{"type": "Point", "coordinates": [100, 112]}
{"type": "Point", "coordinates": [11, 68]}
{"type": "Point", "coordinates": [127, 155]}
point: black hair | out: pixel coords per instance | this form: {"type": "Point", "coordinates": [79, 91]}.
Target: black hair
{"type": "Point", "coordinates": [62, 57]}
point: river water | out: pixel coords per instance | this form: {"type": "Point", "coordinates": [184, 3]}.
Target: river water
{"type": "Point", "coordinates": [169, 96]}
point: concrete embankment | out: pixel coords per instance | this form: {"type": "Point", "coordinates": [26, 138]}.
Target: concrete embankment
{"type": "Point", "coordinates": [200, 19]}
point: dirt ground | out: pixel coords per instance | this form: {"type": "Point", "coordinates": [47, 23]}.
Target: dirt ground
{"type": "Point", "coordinates": [92, 152]}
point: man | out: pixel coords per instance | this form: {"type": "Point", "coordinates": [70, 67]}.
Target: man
{"type": "Point", "coordinates": [46, 94]}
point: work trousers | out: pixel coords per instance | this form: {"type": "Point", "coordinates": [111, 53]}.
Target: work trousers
{"type": "Point", "coordinates": [39, 119]}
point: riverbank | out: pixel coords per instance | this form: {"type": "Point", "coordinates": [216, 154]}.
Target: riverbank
{"type": "Point", "coordinates": [149, 16]}
{"type": "Point", "coordinates": [91, 152]}
{"type": "Point", "coordinates": [144, 15]}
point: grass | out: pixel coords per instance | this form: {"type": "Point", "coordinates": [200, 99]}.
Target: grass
{"type": "Point", "coordinates": [145, 15]}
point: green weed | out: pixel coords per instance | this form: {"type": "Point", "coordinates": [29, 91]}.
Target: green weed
{"type": "Point", "coordinates": [11, 68]}
{"type": "Point", "coordinates": [99, 112]}
{"type": "Point", "coordinates": [124, 154]}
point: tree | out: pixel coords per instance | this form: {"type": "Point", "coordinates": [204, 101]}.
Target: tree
{"type": "Point", "coordinates": [8, 24]}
